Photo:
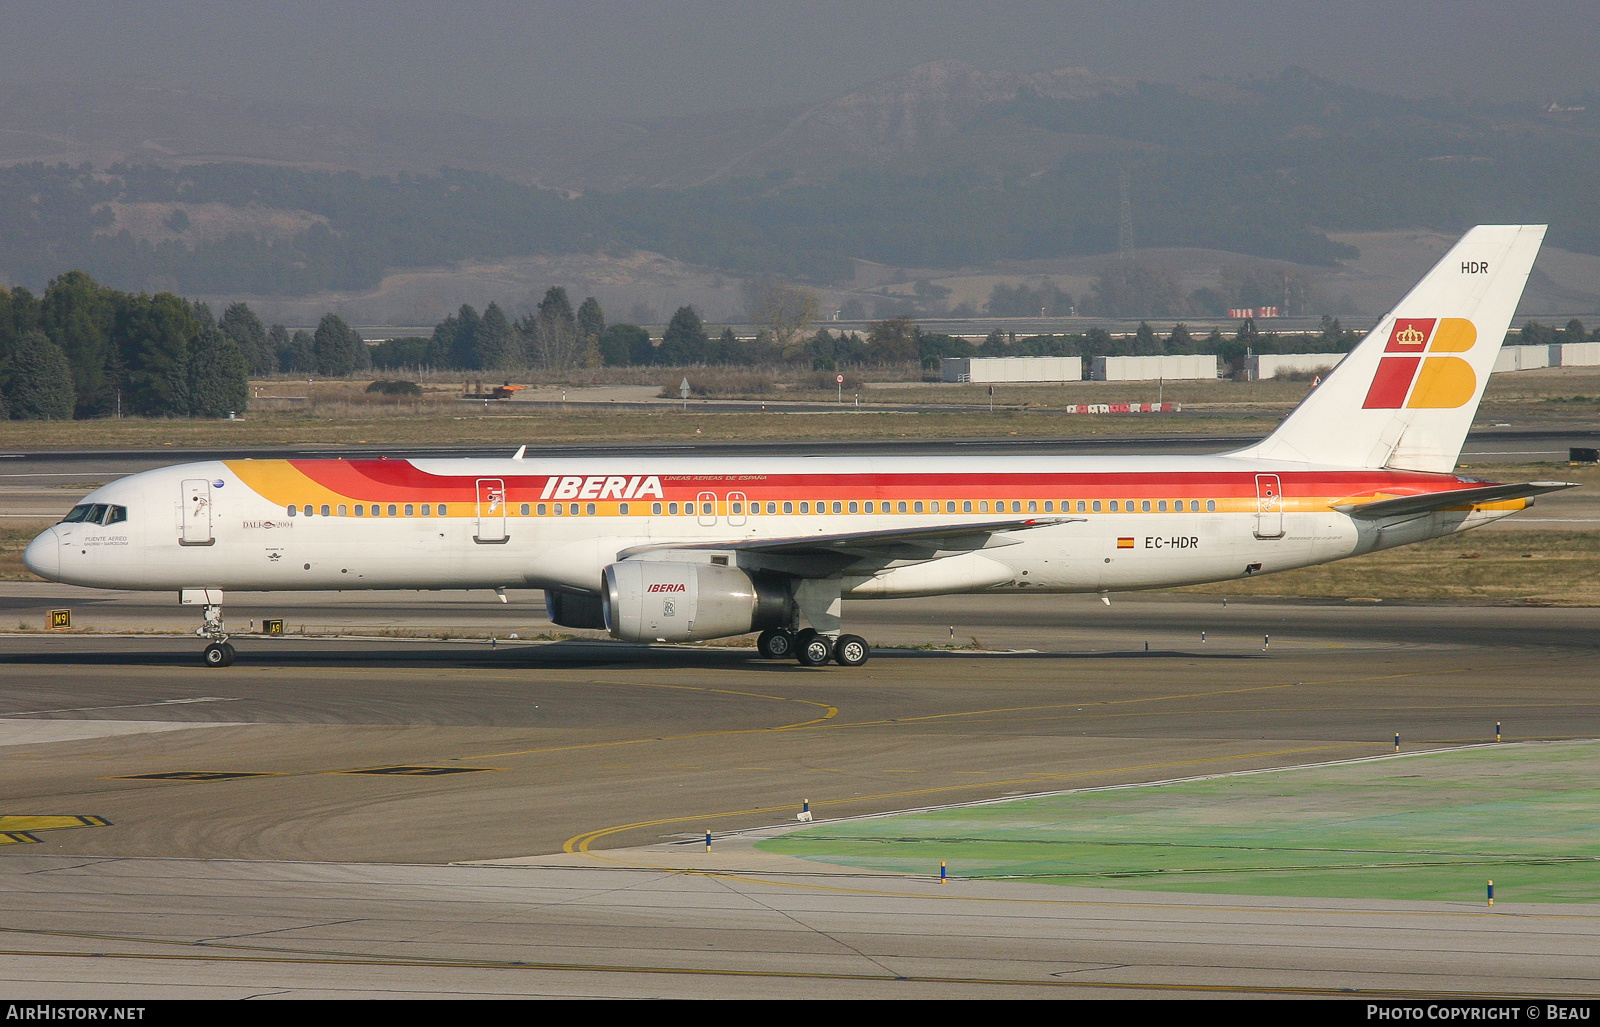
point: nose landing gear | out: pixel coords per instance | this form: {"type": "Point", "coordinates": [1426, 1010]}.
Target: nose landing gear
{"type": "Point", "coordinates": [220, 653]}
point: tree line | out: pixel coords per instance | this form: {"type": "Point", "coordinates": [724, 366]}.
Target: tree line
{"type": "Point", "coordinates": [83, 350]}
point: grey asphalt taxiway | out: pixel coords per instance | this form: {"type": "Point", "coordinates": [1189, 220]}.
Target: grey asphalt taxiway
{"type": "Point", "coordinates": [356, 812]}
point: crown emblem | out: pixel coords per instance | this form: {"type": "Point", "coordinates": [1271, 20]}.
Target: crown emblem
{"type": "Point", "coordinates": [1410, 336]}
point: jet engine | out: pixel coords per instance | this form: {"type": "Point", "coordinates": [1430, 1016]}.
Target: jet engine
{"type": "Point", "coordinates": [663, 601]}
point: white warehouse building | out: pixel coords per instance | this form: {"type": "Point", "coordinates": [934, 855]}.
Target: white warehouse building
{"type": "Point", "coordinates": [1011, 369]}
{"type": "Point", "coordinates": [1188, 367]}
{"type": "Point", "coordinates": [1271, 365]}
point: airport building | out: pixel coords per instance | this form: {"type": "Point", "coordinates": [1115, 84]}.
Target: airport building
{"type": "Point", "coordinates": [1272, 365]}
{"type": "Point", "coordinates": [1189, 367]}
{"type": "Point", "coordinates": [1011, 369]}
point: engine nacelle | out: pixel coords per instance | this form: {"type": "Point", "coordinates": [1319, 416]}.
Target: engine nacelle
{"type": "Point", "coordinates": [574, 609]}
{"type": "Point", "coordinates": [684, 602]}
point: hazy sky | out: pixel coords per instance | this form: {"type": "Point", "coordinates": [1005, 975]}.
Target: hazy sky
{"type": "Point", "coordinates": [651, 57]}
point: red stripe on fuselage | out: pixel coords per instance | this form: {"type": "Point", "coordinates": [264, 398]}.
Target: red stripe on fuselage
{"type": "Point", "coordinates": [395, 480]}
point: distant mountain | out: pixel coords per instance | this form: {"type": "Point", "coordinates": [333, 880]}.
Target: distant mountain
{"type": "Point", "coordinates": [942, 166]}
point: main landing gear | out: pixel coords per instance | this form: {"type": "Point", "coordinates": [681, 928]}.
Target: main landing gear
{"type": "Point", "coordinates": [812, 649]}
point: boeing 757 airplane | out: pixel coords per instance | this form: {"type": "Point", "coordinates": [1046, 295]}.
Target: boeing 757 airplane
{"type": "Point", "coordinates": [681, 549]}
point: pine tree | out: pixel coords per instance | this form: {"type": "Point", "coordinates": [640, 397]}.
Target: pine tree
{"type": "Point", "coordinates": [241, 324]}
{"type": "Point", "coordinates": [76, 313]}
{"type": "Point", "coordinates": [280, 341]}
{"type": "Point", "coordinates": [38, 384]}
{"type": "Point", "coordinates": [591, 323]}
{"type": "Point", "coordinates": [685, 340]}
{"type": "Point", "coordinates": [219, 377]}
{"type": "Point", "coordinates": [301, 356]}
{"type": "Point", "coordinates": [154, 333]}
{"type": "Point", "coordinates": [496, 342]}
{"type": "Point", "coordinates": [464, 340]}
{"type": "Point", "coordinates": [331, 347]}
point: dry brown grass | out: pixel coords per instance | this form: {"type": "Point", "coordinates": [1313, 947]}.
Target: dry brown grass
{"type": "Point", "coordinates": [1539, 568]}
{"type": "Point", "coordinates": [15, 534]}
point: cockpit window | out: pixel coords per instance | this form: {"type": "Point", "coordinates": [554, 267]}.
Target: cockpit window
{"type": "Point", "coordinates": [96, 513]}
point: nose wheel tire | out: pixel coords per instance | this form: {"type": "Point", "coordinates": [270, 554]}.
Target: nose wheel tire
{"type": "Point", "coordinates": [219, 654]}
{"type": "Point", "coordinates": [851, 651]}
{"type": "Point", "coordinates": [812, 649]}
{"type": "Point", "coordinates": [776, 643]}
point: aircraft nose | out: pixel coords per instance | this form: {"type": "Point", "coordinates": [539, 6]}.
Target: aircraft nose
{"type": "Point", "coordinates": [43, 555]}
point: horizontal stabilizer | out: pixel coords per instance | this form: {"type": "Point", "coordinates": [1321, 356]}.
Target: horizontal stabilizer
{"type": "Point", "coordinates": [1455, 499]}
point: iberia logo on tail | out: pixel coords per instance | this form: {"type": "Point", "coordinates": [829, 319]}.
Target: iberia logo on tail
{"type": "Point", "coordinates": [1443, 382]}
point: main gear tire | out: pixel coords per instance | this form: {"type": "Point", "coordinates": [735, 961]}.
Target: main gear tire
{"type": "Point", "coordinates": [218, 654]}
{"type": "Point", "coordinates": [776, 643]}
{"type": "Point", "coordinates": [851, 651]}
{"type": "Point", "coordinates": [812, 649]}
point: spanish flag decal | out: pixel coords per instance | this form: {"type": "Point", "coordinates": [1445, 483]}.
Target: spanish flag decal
{"type": "Point", "coordinates": [1124, 543]}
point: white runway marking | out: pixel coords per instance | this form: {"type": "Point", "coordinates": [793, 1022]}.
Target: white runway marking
{"type": "Point", "coordinates": [34, 732]}
{"type": "Point", "coordinates": [125, 706]}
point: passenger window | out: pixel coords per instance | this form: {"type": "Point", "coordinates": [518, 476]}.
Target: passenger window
{"type": "Point", "coordinates": [559, 509]}
{"type": "Point", "coordinates": [1211, 506]}
{"type": "Point", "coordinates": [573, 509]}
{"type": "Point", "coordinates": [623, 509]}
{"type": "Point", "coordinates": [411, 511]}
{"type": "Point", "coordinates": [1080, 506]}
{"type": "Point", "coordinates": [900, 507]}
{"type": "Point", "coordinates": [1113, 506]}
{"type": "Point", "coordinates": [1145, 506]}
{"type": "Point", "coordinates": [343, 510]}
{"type": "Point", "coordinates": [1097, 505]}
{"type": "Point", "coordinates": [1033, 506]}
{"type": "Point", "coordinates": [655, 508]}
{"type": "Point", "coordinates": [852, 507]}
{"type": "Point", "coordinates": [869, 508]}
{"type": "Point", "coordinates": [672, 508]}
{"type": "Point", "coordinates": [542, 509]}
{"type": "Point", "coordinates": [393, 510]}
{"type": "Point", "coordinates": [966, 506]}
{"type": "Point", "coordinates": [983, 506]}
{"type": "Point", "coordinates": [737, 508]}
{"type": "Point", "coordinates": [917, 506]}
{"type": "Point", "coordinates": [589, 509]}
{"type": "Point", "coordinates": [1162, 506]}
{"type": "Point", "coordinates": [772, 508]}
{"type": "Point", "coordinates": [425, 509]}
{"type": "Point", "coordinates": [788, 508]}
{"type": "Point", "coordinates": [804, 507]}
{"type": "Point", "coordinates": [361, 510]}
{"type": "Point", "coordinates": [294, 511]}
{"type": "Point", "coordinates": [325, 511]}
{"type": "Point", "coordinates": [442, 511]}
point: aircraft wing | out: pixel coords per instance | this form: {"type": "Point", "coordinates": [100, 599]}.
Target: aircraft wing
{"type": "Point", "coordinates": [1401, 506]}
{"type": "Point", "coordinates": [889, 545]}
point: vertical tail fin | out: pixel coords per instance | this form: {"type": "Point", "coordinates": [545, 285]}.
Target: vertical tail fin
{"type": "Point", "coordinates": [1406, 395]}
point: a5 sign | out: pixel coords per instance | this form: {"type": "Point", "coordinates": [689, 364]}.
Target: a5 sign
{"type": "Point", "coordinates": [1415, 371]}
